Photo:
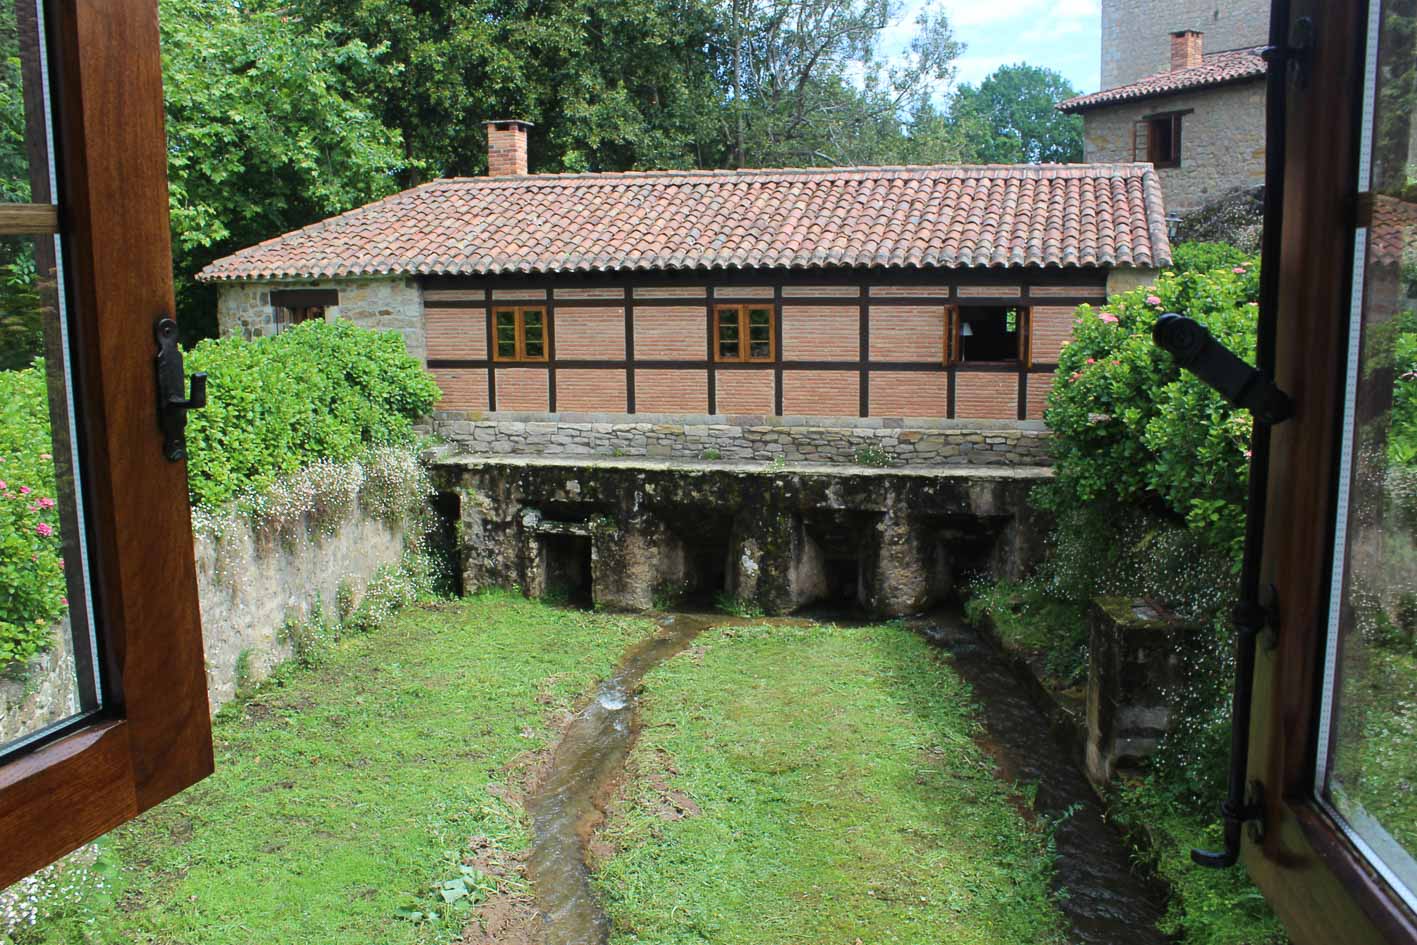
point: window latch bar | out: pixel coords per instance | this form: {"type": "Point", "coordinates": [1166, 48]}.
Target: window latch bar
{"type": "Point", "coordinates": [1295, 56]}
{"type": "Point", "coordinates": [172, 400]}
{"type": "Point", "coordinates": [1196, 350]}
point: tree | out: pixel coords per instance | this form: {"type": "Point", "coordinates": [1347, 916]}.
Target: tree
{"type": "Point", "coordinates": [270, 127]}
{"type": "Point", "coordinates": [1011, 119]}
{"type": "Point", "coordinates": [610, 86]}
{"type": "Point", "coordinates": [807, 84]}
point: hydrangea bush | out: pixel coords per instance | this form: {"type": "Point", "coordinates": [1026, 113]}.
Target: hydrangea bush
{"type": "Point", "coordinates": [32, 586]}
{"type": "Point", "coordinates": [1132, 430]}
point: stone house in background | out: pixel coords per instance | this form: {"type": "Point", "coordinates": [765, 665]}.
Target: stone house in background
{"type": "Point", "coordinates": [1198, 117]}
{"type": "Point", "coordinates": [638, 310]}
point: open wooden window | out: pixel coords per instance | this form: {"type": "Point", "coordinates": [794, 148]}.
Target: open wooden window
{"type": "Point", "coordinates": [744, 333]}
{"type": "Point", "coordinates": [1156, 139]}
{"type": "Point", "coordinates": [519, 333]}
{"type": "Point", "coordinates": [94, 221]}
{"type": "Point", "coordinates": [1331, 838]}
{"type": "Point", "coordinates": [987, 334]}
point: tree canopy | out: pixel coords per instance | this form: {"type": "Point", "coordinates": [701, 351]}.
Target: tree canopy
{"type": "Point", "coordinates": [1010, 118]}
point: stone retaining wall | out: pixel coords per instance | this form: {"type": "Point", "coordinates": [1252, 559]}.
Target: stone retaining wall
{"type": "Point", "coordinates": [248, 585]}
{"type": "Point", "coordinates": [746, 439]}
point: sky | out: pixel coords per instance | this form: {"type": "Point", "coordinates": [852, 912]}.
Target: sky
{"type": "Point", "coordinates": [1064, 35]}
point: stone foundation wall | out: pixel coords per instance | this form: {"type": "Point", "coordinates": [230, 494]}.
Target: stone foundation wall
{"type": "Point", "coordinates": [45, 692]}
{"type": "Point", "coordinates": [774, 538]}
{"type": "Point", "coordinates": [244, 308]}
{"type": "Point", "coordinates": [750, 439]}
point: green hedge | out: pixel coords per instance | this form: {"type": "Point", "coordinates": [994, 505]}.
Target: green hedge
{"type": "Point", "coordinates": [275, 405]}
{"type": "Point", "coordinates": [316, 391]}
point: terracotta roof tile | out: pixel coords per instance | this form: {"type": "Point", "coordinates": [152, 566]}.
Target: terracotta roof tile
{"type": "Point", "coordinates": [897, 217]}
{"type": "Point", "coordinates": [1220, 68]}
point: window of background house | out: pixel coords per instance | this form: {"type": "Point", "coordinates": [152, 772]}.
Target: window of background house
{"type": "Point", "coordinates": [519, 333]}
{"type": "Point", "coordinates": [1157, 140]}
{"type": "Point", "coordinates": [293, 306]}
{"type": "Point", "coordinates": [744, 333]}
{"type": "Point", "coordinates": [988, 333]}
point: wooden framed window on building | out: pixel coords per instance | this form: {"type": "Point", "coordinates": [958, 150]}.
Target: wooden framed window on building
{"type": "Point", "coordinates": [1156, 139]}
{"type": "Point", "coordinates": [135, 727]}
{"type": "Point", "coordinates": [744, 333]}
{"type": "Point", "coordinates": [987, 334]}
{"type": "Point", "coordinates": [519, 333]}
{"type": "Point", "coordinates": [294, 306]}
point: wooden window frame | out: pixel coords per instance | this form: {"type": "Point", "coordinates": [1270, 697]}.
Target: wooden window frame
{"type": "Point", "coordinates": [744, 345]}
{"type": "Point", "coordinates": [152, 736]}
{"type": "Point", "coordinates": [1317, 881]}
{"type": "Point", "coordinates": [1174, 119]}
{"type": "Point", "coordinates": [521, 355]}
{"type": "Point", "coordinates": [954, 340]}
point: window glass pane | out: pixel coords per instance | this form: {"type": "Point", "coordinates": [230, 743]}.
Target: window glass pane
{"type": "Point", "coordinates": [1368, 737]}
{"type": "Point", "coordinates": [24, 133]}
{"type": "Point", "coordinates": [47, 642]}
{"type": "Point", "coordinates": [506, 334]}
{"type": "Point", "coordinates": [759, 318]}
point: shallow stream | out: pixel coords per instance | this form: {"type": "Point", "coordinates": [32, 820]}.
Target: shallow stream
{"type": "Point", "coordinates": [1105, 898]}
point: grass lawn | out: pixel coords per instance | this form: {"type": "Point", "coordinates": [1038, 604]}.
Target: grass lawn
{"type": "Point", "coordinates": [791, 785]}
{"type": "Point", "coordinates": [343, 793]}
{"type": "Point", "coordinates": [819, 785]}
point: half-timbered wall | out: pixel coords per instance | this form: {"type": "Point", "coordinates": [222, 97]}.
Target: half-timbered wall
{"type": "Point", "coordinates": [845, 345]}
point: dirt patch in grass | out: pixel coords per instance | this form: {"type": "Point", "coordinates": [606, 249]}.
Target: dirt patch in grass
{"type": "Point", "coordinates": [509, 916]}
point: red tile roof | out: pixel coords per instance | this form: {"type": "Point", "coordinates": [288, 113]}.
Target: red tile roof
{"type": "Point", "coordinates": [1221, 68]}
{"type": "Point", "coordinates": [950, 216]}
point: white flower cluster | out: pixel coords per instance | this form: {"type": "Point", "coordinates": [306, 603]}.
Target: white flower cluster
{"type": "Point", "coordinates": [63, 888]}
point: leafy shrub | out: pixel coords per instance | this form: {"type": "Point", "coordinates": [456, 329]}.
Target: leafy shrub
{"type": "Point", "coordinates": [1205, 257]}
{"type": "Point", "coordinates": [315, 392]}
{"type": "Point", "coordinates": [32, 583]}
{"type": "Point", "coordinates": [1133, 430]}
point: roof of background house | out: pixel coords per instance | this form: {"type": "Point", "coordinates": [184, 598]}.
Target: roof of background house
{"type": "Point", "coordinates": [1219, 68]}
{"type": "Point", "coordinates": [952, 216]}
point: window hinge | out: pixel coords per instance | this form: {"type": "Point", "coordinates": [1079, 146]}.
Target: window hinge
{"type": "Point", "coordinates": [1295, 57]}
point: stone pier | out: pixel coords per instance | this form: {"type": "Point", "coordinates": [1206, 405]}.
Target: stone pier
{"type": "Point", "coordinates": [645, 534]}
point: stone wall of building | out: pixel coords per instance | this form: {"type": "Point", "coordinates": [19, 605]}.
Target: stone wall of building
{"type": "Point", "coordinates": [1222, 141]}
{"type": "Point", "coordinates": [752, 439]}
{"type": "Point", "coordinates": [1136, 34]}
{"type": "Point", "coordinates": [245, 308]}
{"type": "Point", "coordinates": [43, 693]}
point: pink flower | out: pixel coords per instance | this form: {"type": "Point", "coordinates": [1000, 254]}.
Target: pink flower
{"type": "Point", "coordinates": [3, 485]}
{"type": "Point", "coordinates": [1076, 375]}
{"type": "Point", "coordinates": [46, 503]}
{"type": "Point", "coordinates": [1118, 363]}
{"type": "Point", "coordinates": [1153, 300]}
{"type": "Point", "coordinates": [1108, 317]}
{"type": "Point", "coordinates": [1238, 270]}
{"type": "Point", "coordinates": [24, 490]}
{"type": "Point", "coordinates": [1091, 360]}
{"type": "Point", "coordinates": [1248, 454]}
{"type": "Point", "coordinates": [64, 601]}
{"type": "Point", "coordinates": [43, 530]}
{"type": "Point", "coordinates": [45, 456]}
{"type": "Point", "coordinates": [61, 564]}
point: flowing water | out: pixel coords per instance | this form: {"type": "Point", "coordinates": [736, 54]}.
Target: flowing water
{"type": "Point", "coordinates": [590, 754]}
{"type": "Point", "coordinates": [1107, 901]}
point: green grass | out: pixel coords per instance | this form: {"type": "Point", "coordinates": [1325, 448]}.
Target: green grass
{"type": "Point", "coordinates": [343, 793]}
{"type": "Point", "coordinates": [842, 798]}
{"type": "Point", "coordinates": [1377, 748]}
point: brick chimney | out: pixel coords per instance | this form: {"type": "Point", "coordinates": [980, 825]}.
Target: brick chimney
{"type": "Point", "coordinates": [506, 147]}
{"type": "Point", "coordinates": [1185, 49]}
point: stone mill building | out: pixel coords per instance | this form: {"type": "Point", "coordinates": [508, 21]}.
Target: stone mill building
{"type": "Point", "coordinates": [1182, 89]}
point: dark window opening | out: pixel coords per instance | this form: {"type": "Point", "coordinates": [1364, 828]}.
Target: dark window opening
{"type": "Point", "coordinates": [293, 306]}
{"type": "Point", "coordinates": [1157, 140]}
{"type": "Point", "coordinates": [989, 333]}
{"type": "Point", "coordinates": [567, 560]}
{"type": "Point", "coordinates": [286, 317]}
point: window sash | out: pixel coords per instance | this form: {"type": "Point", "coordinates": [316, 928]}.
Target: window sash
{"type": "Point", "coordinates": [519, 333]}
{"type": "Point", "coordinates": [745, 333]}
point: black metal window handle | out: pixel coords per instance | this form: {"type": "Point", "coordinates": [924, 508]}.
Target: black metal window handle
{"type": "Point", "coordinates": [172, 400]}
{"type": "Point", "coordinates": [1196, 350]}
